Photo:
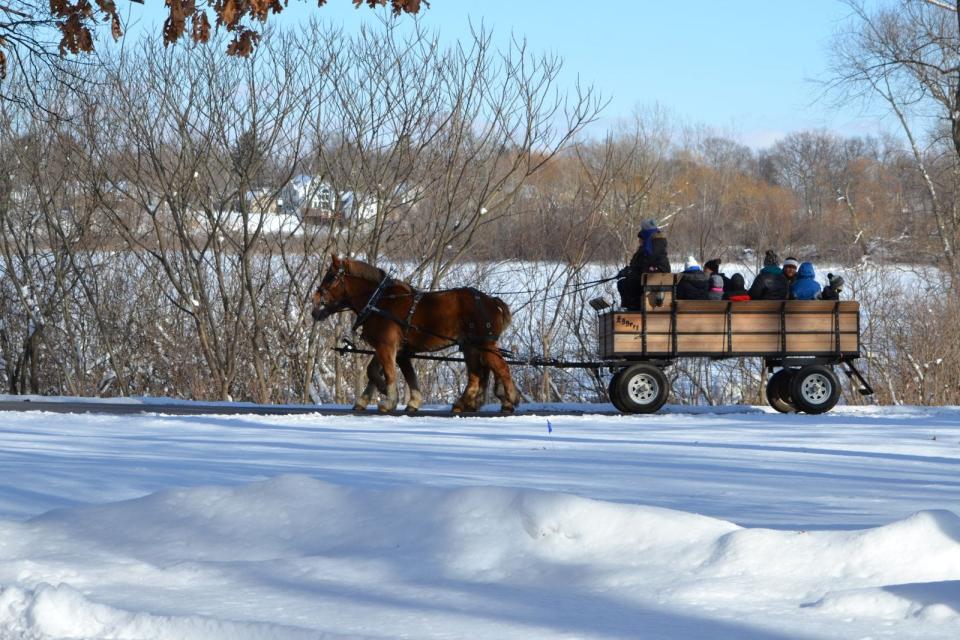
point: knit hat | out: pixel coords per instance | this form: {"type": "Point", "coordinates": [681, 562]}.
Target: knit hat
{"type": "Point", "coordinates": [713, 265]}
{"type": "Point", "coordinates": [834, 282]}
{"type": "Point", "coordinates": [691, 264]}
{"type": "Point", "coordinates": [791, 262]}
{"type": "Point", "coordinates": [648, 225]}
{"type": "Point", "coordinates": [716, 282]}
{"type": "Point", "coordinates": [771, 259]}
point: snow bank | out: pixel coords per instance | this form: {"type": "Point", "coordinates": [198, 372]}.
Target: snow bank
{"type": "Point", "coordinates": [295, 557]}
{"type": "Point", "coordinates": [62, 612]}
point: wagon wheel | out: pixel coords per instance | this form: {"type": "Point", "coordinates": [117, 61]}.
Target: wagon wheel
{"type": "Point", "coordinates": [642, 388]}
{"type": "Point", "coordinates": [612, 391]}
{"type": "Point", "coordinates": [778, 391]}
{"type": "Point", "coordinates": [815, 389]}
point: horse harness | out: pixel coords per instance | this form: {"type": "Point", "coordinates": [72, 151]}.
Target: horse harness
{"type": "Point", "coordinates": [371, 306]}
{"type": "Point", "coordinates": [407, 324]}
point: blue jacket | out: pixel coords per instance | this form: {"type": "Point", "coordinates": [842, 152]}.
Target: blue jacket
{"type": "Point", "coordinates": [805, 287]}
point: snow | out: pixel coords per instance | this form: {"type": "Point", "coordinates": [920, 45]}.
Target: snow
{"type": "Point", "coordinates": [694, 523]}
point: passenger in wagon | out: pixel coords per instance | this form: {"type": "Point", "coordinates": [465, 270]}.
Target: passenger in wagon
{"type": "Point", "coordinates": [712, 267]}
{"type": "Point", "coordinates": [770, 283]}
{"type": "Point", "coordinates": [805, 287]}
{"type": "Point", "coordinates": [695, 284]}
{"type": "Point", "coordinates": [650, 257]}
{"type": "Point", "coordinates": [833, 288]}
{"type": "Point", "coordinates": [790, 266]}
{"type": "Point", "coordinates": [737, 290]}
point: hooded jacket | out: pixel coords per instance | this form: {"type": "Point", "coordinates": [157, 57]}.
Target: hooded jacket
{"type": "Point", "coordinates": [655, 259]}
{"type": "Point", "coordinates": [805, 286]}
{"type": "Point", "coordinates": [770, 284]}
{"type": "Point", "coordinates": [694, 285]}
{"type": "Point", "coordinates": [737, 290]}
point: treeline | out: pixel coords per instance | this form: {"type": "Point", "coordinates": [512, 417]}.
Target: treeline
{"type": "Point", "coordinates": [140, 199]}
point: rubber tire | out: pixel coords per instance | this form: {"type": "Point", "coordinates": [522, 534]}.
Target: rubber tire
{"type": "Point", "coordinates": [630, 375]}
{"type": "Point", "coordinates": [778, 391]}
{"type": "Point", "coordinates": [802, 377]}
{"type": "Point", "coordinates": [612, 392]}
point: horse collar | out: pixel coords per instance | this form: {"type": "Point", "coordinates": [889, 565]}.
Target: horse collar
{"type": "Point", "coordinates": [371, 306]}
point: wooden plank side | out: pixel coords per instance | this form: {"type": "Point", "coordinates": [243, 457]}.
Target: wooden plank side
{"type": "Point", "coordinates": [706, 343]}
{"type": "Point", "coordinates": [701, 323]}
{"type": "Point", "coordinates": [627, 344]}
{"type": "Point", "coordinates": [701, 306]}
{"type": "Point", "coordinates": [660, 279]}
{"type": "Point", "coordinates": [757, 306]}
{"type": "Point", "coordinates": [756, 343]}
{"type": "Point", "coordinates": [809, 322]}
{"type": "Point", "coordinates": [820, 343]}
{"type": "Point", "coordinates": [659, 344]}
{"type": "Point", "coordinates": [850, 342]}
{"type": "Point", "coordinates": [755, 323]}
{"type": "Point", "coordinates": [658, 323]}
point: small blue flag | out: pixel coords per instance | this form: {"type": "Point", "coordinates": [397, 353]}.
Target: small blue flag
{"type": "Point", "coordinates": [549, 427]}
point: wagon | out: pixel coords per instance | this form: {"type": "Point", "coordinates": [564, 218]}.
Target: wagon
{"type": "Point", "coordinates": [801, 343]}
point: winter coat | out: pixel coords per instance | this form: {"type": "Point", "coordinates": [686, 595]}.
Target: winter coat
{"type": "Point", "coordinates": [736, 289]}
{"type": "Point", "coordinates": [829, 293]}
{"type": "Point", "coordinates": [656, 262]}
{"type": "Point", "coordinates": [694, 285]}
{"type": "Point", "coordinates": [716, 287]}
{"type": "Point", "coordinates": [630, 286]}
{"type": "Point", "coordinates": [770, 284]}
{"type": "Point", "coordinates": [805, 286]}
{"type": "Point", "coordinates": [726, 281]}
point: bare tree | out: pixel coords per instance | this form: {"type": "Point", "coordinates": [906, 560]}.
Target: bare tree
{"type": "Point", "coordinates": [907, 54]}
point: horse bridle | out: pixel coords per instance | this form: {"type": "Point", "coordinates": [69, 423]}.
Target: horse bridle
{"type": "Point", "coordinates": [322, 291]}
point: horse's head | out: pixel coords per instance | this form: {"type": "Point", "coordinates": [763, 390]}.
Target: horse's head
{"type": "Point", "coordinates": [331, 295]}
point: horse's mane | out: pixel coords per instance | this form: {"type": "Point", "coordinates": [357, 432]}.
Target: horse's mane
{"type": "Point", "coordinates": [363, 270]}
{"type": "Point", "coordinates": [370, 273]}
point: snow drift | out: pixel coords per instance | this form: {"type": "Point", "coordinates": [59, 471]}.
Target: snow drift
{"type": "Point", "coordinates": [295, 557]}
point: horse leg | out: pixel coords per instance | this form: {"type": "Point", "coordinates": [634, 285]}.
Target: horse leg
{"type": "Point", "coordinates": [505, 389]}
{"type": "Point", "coordinates": [481, 395]}
{"type": "Point", "coordinates": [375, 382]}
{"type": "Point", "coordinates": [468, 399]}
{"type": "Point", "coordinates": [387, 355]}
{"type": "Point", "coordinates": [413, 385]}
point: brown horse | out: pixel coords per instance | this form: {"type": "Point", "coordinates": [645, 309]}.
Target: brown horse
{"type": "Point", "coordinates": [397, 321]}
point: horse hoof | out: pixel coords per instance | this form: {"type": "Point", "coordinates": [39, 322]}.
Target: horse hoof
{"type": "Point", "coordinates": [359, 408]}
{"type": "Point", "coordinates": [410, 409]}
{"type": "Point", "coordinates": [507, 408]}
{"type": "Point", "coordinates": [456, 408]}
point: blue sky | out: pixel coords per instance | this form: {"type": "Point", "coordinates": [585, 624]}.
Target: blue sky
{"type": "Point", "coordinates": [747, 68]}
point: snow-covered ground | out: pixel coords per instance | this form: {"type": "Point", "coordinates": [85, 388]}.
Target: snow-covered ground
{"type": "Point", "coordinates": [734, 523]}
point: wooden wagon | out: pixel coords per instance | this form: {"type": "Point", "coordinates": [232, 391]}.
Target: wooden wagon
{"type": "Point", "coordinates": [800, 342]}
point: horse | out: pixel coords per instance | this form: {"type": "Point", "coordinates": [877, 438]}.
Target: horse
{"type": "Point", "coordinates": [398, 321]}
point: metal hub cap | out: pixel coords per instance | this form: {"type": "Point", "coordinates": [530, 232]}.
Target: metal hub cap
{"type": "Point", "coordinates": [816, 388]}
{"type": "Point", "coordinates": [643, 388]}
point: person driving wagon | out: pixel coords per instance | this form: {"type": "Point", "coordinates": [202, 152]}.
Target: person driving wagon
{"type": "Point", "coordinates": [650, 257]}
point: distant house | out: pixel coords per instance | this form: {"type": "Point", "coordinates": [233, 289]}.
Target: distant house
{"type": "Point", "coordinates": [317, 202]}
